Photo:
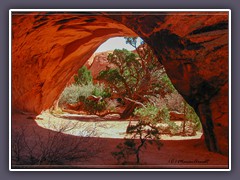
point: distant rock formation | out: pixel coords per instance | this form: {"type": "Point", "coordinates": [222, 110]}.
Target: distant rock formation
{"type": "Point", "coordinates": [98, 63]}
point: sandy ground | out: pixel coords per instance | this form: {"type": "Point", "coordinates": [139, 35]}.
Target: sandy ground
{"type": "Point", "coordinates": [85, 124]}
{"type": "Point", "coordinates": [176, 152]}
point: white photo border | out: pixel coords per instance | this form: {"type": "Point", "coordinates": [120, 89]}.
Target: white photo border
{"type": "Point", "coordinates": [117, 10]}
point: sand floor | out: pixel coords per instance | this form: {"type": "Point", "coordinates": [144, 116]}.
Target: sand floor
{"type": "Point", "coordinates": [176, 152]}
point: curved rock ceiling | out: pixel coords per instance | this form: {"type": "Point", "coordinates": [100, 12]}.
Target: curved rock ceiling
{"type": "Point", "coordinates": [48, 48]}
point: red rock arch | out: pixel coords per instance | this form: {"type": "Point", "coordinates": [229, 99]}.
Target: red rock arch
{"type": "Point", "coordinates": [48, 48]}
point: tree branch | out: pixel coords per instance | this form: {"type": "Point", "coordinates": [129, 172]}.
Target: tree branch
{"type": "Point", "coordinates": [136, 102]}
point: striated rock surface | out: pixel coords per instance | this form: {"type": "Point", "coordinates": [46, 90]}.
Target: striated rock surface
{"type": "Point", "coordinates": [98, 63]}
{"type": "Point", "coordinates": [47, 49]}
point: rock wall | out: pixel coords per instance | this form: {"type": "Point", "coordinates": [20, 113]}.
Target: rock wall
{"type": "Point", "coordinates": [193, 48]}
{"type": "Point", "coordinates": [47, 49]}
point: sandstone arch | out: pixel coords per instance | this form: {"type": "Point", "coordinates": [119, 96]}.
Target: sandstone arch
{"type": "Point", "coordinates": [193, 47]}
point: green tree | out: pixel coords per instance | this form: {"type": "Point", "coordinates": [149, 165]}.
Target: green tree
{"type": "Point", "coordinates": [83, 77]}
{"type": "Point", "coordinates": [135, 76]}
{"type": "Point", "coordinates": [83, 93]}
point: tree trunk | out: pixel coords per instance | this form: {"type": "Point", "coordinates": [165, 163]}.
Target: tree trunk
{"type": "Point", "coordinates": [128, 110]}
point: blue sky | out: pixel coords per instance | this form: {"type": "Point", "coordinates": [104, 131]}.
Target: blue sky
{"type": "Point", "coordinates": [116, 43]}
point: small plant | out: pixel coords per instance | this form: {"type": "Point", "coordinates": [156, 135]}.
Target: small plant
{"type": "Point", "coordinates": [143, 133]}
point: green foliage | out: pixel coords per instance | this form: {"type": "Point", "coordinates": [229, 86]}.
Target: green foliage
{"type": "Point", "coordinates": [171, 127]}
{"type": "Point", "coordinates": [152, 113]}
{"type": "Point", "coordinates": [136, 76]}
{"type": "Point", "coordinates": [84, 88]}
{"type": "Point", "coordinates": [144, 133]}
{"type": "Point", "coordinates": [93, 107]}
{"type": "Point", "coordinates": [193, 118]}
{"type": "Point", "coordinates": [167, 83]}
{"type": "Point", "coordinates": [71, 94]}
{"type": "Point", "coordinates": [113, 76]}
{"type": "Point", "coordinates": [163, 114]}
{"type": "Point", "coordinates": [124, 77]}
{"type": "Point", "coordinates": [83, 77]}
{"type": "Point", "coordinates": [132, 41]}
{"type": "Point", "coordinates": [80, 93]}
{"type": "Point", "coordinates": [101, 90]}
{"type": "Point", "coordinates": [158, 117]}
{"type": "Point", "coordinates": [149, 113]}
{"type": "Point", "coordinates": [97, 90]}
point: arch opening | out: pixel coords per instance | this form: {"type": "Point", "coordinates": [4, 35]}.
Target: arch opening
{"type": "Point", "coordinates": [180, 118]}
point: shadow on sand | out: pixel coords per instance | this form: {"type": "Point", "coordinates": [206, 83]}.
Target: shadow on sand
{"type": "Point", "coordinates": [173, 153]}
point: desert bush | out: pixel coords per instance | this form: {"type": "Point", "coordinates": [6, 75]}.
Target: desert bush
{"type": "Point", "coordinates": [175, 102]}
{"type": "Point", "coordinates": [93, 107]}
{"type": "Point", "coordinates": [82, 89]}
{"type": "Point", "coordinates": [80, 93]}
{"type": "Point", "coordinates": [149, 113]}
{"type": "Point", "coordinates": [159, 116]}
{"type": "Point", "coordinates": [31, 147]}
{"type": "Point", "coordinates": [70, 94]}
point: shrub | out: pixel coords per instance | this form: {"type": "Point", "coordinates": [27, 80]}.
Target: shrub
{"type": "Point", "coordinates": [71, 94]}
{"type": "Point", "coordinates": [83, 77]}
{"type": "Point", "coordinates": [93, 107]}
{"type": "Point", "coordinates": [148, 113]}
{"type": "Point", "coordinates": [158, 117]}
{"type": "Point", "coordinates": [80, 93]}
{"type": "Point", "coordinates": [31, 147]}
{"type": "Point", "coordinates": [152, 113]}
